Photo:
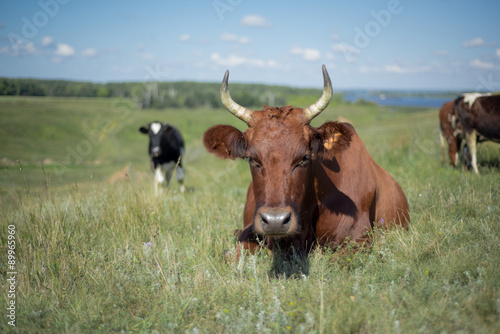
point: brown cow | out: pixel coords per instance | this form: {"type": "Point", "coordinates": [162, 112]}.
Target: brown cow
{"type": "Point", "coordinates": [451, 132]}
{"type": "Point", "coordinates": [310, 186]}
{"type": "Point", "coordinates": [479, 115]}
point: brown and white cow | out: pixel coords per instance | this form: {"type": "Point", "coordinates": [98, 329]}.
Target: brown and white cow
{"type": "Point", "coordinates": [310, 185]}
{"type": "Point", "coordinates": [479, 115]}
{"type": "Point", "coordinates": [450, 132]}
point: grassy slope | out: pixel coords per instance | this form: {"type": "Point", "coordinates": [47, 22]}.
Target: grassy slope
{"type": "Point", "coordinates": [85, 264]}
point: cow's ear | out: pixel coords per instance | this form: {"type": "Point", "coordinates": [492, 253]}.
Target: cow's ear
{"type": "Point", "coordinates": [335, 137]}
{"type": "Point", "coordinates": [144, 130]}
{"type": "Point", "coordinates": [225, 141]}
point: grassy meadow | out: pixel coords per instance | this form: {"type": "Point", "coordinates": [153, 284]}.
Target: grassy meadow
{"type": "Point", "coordinates": [97, 252]}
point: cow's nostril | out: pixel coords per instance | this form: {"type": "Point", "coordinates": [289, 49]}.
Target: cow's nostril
{"type": "Point", "coordinates": [287, 218]}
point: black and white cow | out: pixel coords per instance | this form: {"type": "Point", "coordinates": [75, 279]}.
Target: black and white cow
{"type": "Point", "coordinates": [166, 149]}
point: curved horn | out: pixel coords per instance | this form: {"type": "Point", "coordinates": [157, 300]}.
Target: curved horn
{"type": "Point", "coordinates": [234, 108]}
{"type": "Point", "coordinates": [317, 107]}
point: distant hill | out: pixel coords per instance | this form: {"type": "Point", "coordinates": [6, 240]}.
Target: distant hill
{"type": "Point", "coordinates": [165, 94]}
{"type": "Point", "coordinates": [185, 94]}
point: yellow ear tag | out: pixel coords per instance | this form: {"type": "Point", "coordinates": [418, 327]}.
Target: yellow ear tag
{"type": "Point", "coordinates": [329, 143]}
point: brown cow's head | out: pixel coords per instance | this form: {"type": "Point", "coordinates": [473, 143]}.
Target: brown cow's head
{"type": "Point", "coordinates": [280, 147]}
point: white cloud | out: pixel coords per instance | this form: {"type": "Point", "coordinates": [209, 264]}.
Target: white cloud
{"type": "Point", "coordinates": [19, 49]}
{"type": "Point", "coordinates": [271, 63]}
{"type": "Point", "coordinates": [406, 69]}
{"type": "Point", "coordinates": [89, 52]}
{"type": "Point", "coordinates": [232, 38]}
{"type": "Point", "coordinates": [184, 37]}
{"type": "Point", "coordinates": [30, 48]}
{"type": "Point", "coordinates": [255, 21]}
{"type": "Point", "coordinates": [47, 40]}
{"type": "Point", "coordinates": [234, 60]}
{"type": "Point", "coordinates": [347, 50]}
{"type": "Point", "coordinates": [307, 54]}
{"type": "Point", "coordinates": [481, 64]}
{"type": "Point", "coordinates": [64, 50]}
{"type": "Point", "coordinates": [474, 42]}
{"type": "Point", "coordinates": [245, 40]}
{"type": "Point", "coordinates": [343, 47]}
{"type": "Point", "coordinates": [395, 69]}
{"type": "Point", "coordinates": [498, 52]}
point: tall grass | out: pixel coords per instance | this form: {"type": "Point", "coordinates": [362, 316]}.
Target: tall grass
{"type": "Point", "coordinates": [112, 257]}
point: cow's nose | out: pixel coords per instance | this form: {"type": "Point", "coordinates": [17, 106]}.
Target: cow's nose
{"type": "Point", "coordinates": [155, 151]}
{"type": "Point", "coordinates": [276, 221]}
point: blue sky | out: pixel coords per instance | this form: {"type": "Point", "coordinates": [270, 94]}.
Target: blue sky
{"type": "Point", "coordinates": [387, 44]}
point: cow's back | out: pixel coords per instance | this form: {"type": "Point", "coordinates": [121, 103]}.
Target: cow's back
{"type": "Point", "coordinates": [488, 111]}
{"type": "Point", "coordinates": [354, 192]}
{"type": "Point", "coordinates": [172, 144]}
{"type": "Point", "coordinates": [391, 203]}
{"type": "Point", "coordinates": [483, 116]}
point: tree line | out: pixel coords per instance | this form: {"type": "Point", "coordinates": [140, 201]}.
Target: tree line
{"type": "Point", "coordinates": [160, 94]}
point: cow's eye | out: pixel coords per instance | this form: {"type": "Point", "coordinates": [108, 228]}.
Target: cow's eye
{"type": "Point", "coordinates": [303, 162]}
{"type": "Point", "coordinates": [253, 162]}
